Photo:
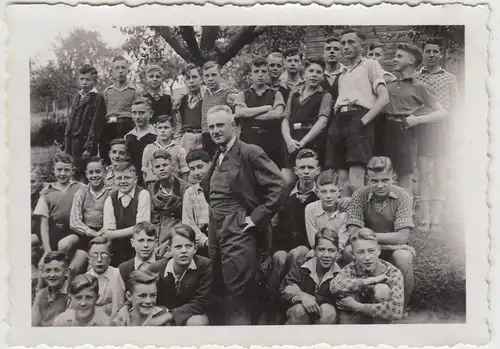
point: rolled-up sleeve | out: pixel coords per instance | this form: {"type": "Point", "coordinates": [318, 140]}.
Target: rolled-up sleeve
{"type": "Point", "coordinates": [375, 74]}
{"type": "Point", "coordinates": [325, 108]}
{"type": "Point", "coordinates": [355, 214]}
{"type": "Point", "coordinates": [109, 220]}
{"type": "Point", "coordinates": [143, 207]}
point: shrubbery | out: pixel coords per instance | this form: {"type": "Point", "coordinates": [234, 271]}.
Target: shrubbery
{"type": "Point", "coordinates": [49, 132]}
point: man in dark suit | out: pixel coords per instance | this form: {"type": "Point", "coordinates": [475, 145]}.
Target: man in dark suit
{"type": "Point", "coordinates": [244, 189]}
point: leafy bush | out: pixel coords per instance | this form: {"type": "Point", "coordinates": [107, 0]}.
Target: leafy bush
{"type": "Point", "coordinates": [49, 132]}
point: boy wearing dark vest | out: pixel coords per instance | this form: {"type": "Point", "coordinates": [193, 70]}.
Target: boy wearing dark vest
{"type": "Point", "coordinates": [306, 116]}
{"type": "Point", "coordinates": [188, 110]}
{"type": "Point", "coordinates": [161, 103]}
{"type": "Point", "coordinates": [258, 111]}
{"type": "Point", "coordinates": [332, 54]}
{"type": "Point", "coordinates": [126, 206]}
{"type": "Point", "coordinates": [275, 63]}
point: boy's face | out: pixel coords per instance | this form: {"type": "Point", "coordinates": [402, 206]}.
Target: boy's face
{"type": "Point", "coordinates": [380, 183]}
{"type": "Point", "coordinates": [328, 195]}
{"type": "Point", "coordinates": [141, 113]}
{"type": "Point", "coordinates": [351, 45]}
{"type": "Point", "coordinates": [35, 182]}
{"type": "Point", "coordinates": [86, 82]}
{"type": "Point", "coordinates": [326, 253]}
{"type": "Point", "coordinates": [307, 170]}
{"type": "Point", "coordinates": [83, 303]}
{"type": "Point", "coordinates": [275, 66]}
{"type": "Point", "coordinates": [143, 298]}
{"type": "Point", "coordinates": [293, 64]}
{"type": "Point", "coordinates": [313, 75]}
{"type": "Point", "coordinates": [332, 52]}
{"type": "Point", "coordinates": [162, 168]}
{"type": "Point", "coordinates": [120, 71]}
{"type": "Point", "coordinates": [63, 172]}
{"type": "Point", "coordinates": [377, 54]}
{"type": "Point", "coordinates": [164, 131]}
{"type": "Point", "coordinates": [54, 273]}
{"type": "Point", "coordinates": [143, 244]}
{"type": "Point", "coordinates": [212, 78]}
{"type": "Point", "coordinates": [366, 253]}
{"type": "Point", "coordinates": [259, 75]}
{"type": "Point", "coordinates": [154, 79]}
{"type": "Point", "coordinates": [198, 169]}
{"type": "Point", "coordinates": [182, 250]}
{"type": "Point", "coordinates": [118, 153]}
{"type": "Point", "coordinates": [402, 59]}
{"type": "Point", "coordinates": [95, 174]}
{"type": "Point", "coordinates": [193, 81]}
{"type": "Point", "coordinates": [125, 180]}
{"type": "Point", "coordinates": [99, 258]}
{"type": "Point", "coordinates": [432, 55]}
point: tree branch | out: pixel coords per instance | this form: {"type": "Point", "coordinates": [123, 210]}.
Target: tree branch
{"type": "Point", "coordinates": [244, 37]}
{"type": "Point", "coordinates": [208, 37]}
{"type": "Point", "coordinates": [189, 37]}
{"type": "Point", "coordinates": [171, 39]}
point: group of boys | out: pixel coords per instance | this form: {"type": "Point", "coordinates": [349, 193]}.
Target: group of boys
{"type": "Point", "coordinates": [196, 204]}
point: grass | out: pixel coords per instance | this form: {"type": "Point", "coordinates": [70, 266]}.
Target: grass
{"type": "Point", "coordinates": [439, 293]}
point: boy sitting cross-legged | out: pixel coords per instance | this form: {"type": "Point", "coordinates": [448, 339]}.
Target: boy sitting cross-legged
{"type": "Point", "coordinates": [118, 153]}
{"type": "Point", "coordinates": [371, 290]}
{"type": "Point", "coordinates": [83, 294]}
{"type": "Point", "coordinates": [306, 287]}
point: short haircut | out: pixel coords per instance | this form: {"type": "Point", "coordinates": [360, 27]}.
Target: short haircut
{"type": "Point", "coordinates": [64, 158]}
{"type": "Point", "coordinates": [278, 55]}
{"type": "Point", "coordinates": [190, 66]}
{"type": "Point", "coordinates": [221, 107]}
{"type": "Point", "coordinates": [210, 64]}
{"type": "Point", "coordinates": [100, 240]}
{"type": "Point", "coordinates": [183, 230]}
{"type": "Point", "coordinates": [327, 234]}
{"type": "Point", "coordinates": [162, 154]}
{"type": "Point", "coordinates": [332, 38]}
{"type": "Point", "coordinates": [415, 51]}
{"type": "Point", "coordinates": [293, 51]}
{"type": "Point", "coordinates": [259, 62]}
{"type": "Point", "coordinates": [116, 141]}
{"type": "Point", "coordinates": [163, 119]}
{"type": "Point", "coordinates": [88, 69]}
{"type": "Point", "coordinates": [327, 177]}
{"type": "Point", "coordinates": [153, 67]}
{"type": "Point", "coordinates": [148, 228]}
{"type": "Point", "coordinates": [318, 61]}
{"type": "Point", "coordinates": [433, 41]}
{"type": "Point", "coordinates": [363, 234]}
{"type": "Point", "coordinates": [119, 58]}
{"type": "Point", "coordinates": [56, 256]}
{"type": "Point", "coordinates": [379, 164]}
{"type": "Point", "coordinates": [96, 159]}
{"type": "Point", "coordinates": [81, 282]}
{"type": "Point", "coordinates": [125, 166]}
{"type": "Point", "coordinates": [306, 153]}
{"type": "Point", "coordinates": [197, 154]}
{"type": "Point", "coordinates": [143, 100]}
{"type": "Point", "coordinates": [375, 45]}
{"type": "Point", "coordinates": [142, 277]}
{"type": "Point", "coordinates": [355, 31]}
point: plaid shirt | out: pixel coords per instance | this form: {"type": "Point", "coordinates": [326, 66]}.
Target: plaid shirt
{"type": "Point", "coordinates": [441, 84]}
{"type": "Point", "coordinates": [347, 282]}
{"type": "Point", "coordinates": [195, 211]}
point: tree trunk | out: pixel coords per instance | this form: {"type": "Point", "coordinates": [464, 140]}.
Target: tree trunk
{"type": "Point", "coordinates": [46, 108]}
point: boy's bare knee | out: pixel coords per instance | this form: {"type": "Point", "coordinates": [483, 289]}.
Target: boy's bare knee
{"type": "Point", "coordinates": [68, 244]}
{"type": "Point", "coordinates": [297, 253]}
{"type": "Point", "coordinates": [402, 258]}
{"type": "Point", "coordinates": [197, 320]}
{"type": "Point", "coordinates": [279, 258]}
{"type": "Point", "coordinates": [381, 293]}
{"type": "Point", "coordinates": [328, 314]}
{"type": "Point", "coordinates": [298, 314]}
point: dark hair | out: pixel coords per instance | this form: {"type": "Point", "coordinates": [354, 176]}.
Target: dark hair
{"type": "Point", "coordinates": [332, 38]}
{"type": "Point", "coordinates": [56, 256]}
{"type": "Point", "coordinates": [210, 64]}
{"type": "Point", "coordinates": [318, 61]}
{"type": "Point", "coordinates": [164, 118]}
{"type": "Point", "coordinates": [96, 159]}
{"type": "Point", "coordinates": [100, 240]}
{"type": "Point", "coordinates": [379, 164]}
{"type": "Point", "coordinates": [306, 153]}
{"type": "Point", "coordinates": [415, 51]}
{"type": "Point", "coordinates": [355, 31]}
{"type": "Point", "coordinates": [183, 230]}
{"type": "Point", "coordinates": [327, 177]}
{"type": "Point", "coordinates": [433, 41]}
{"type": "Point", "coordinates": [259, 62]}
{"type": "Point", "coordinates": [148, 228]}
{"type": "Point", "coordinates": [375, 45]}
{"type": "Point", "coordinates": [197, 154]}
{"type": "Point", "coordinates": [119, 58]}
{"type": "Point", "coordinates": [363, 234]}
{"type": "Point", "coordinates": [162, 154]}
{"type": "Point", "coordinates": [64, 158]}
{"type": "Point", "coordinates": [143, 100]}
{"type": "Point", "coordinates": [327, 234]}
{"type": "Point", "coordinates": [81, 282]}
{"type": "Point", "coordinates": [124, 166]}
{"type": "Point", "coordinates": [143, 277]}
{"type": "Point", "coordinates": [88, 69]}
{"type": "Point", "coordinates": [293, 51]}
{"type": "Point", "coordinates": [118, 141]}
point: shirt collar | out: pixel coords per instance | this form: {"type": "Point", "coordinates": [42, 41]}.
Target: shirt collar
{"type": "Point", "coordinates": [71, 183]}
{"type": "Point", "coordinates": [295, 189]}
{"type": "Point", "coordinates": [98, 194]}
{"type": "Point", "coordinates": [230, 144]}
{"type": "Point", "coordinates": [335, 72]}
{"type": "Point", "coordinates": [62, 290]}
{"type": "Point", "coordinates": [424, 70]}
{"type": "Point", "coordinates": [198, 95]}
{"type": "Point", "coordinates": [288, 82]}
{"type": "Point", "coordinates": [128, 85]}
{"type": "Point", "coordinates": [170, 267]}
{"type": "Point", "coordinates": [169, 145]}
{"type": "Point", "coordinates": [131, 193]}
{"type": "Point", "coordinates": [150, 129]}
{"type": "Point", "coordinates": [212, 93]}
{"type": "Point", "coordinates": [311, 266]}
{"type": "Point", "coordinates": [379, 269]}
{"type": "Point", "coordinates": [392, 194]}
{"type": "Point", "coordinates": [321, 211]}
{"type": "Point", "coordinates": [160, 92]}
{"type": "Point", "coordinates": [104, 275]}
{"type": "Point", "coordinates": [265, 89]}
{"type": "Point", "coordinates": [138, 262]}
{"type": "Point", "coordinates": [197, 187]}
{"type": "Point", "coordinates": [351, 67]}
{"type": "Point", "coordinates": [83, 94]}
{"type": "Point", "coordinates": [300, 89]}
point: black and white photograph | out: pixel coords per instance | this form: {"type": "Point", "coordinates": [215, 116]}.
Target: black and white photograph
{"type": "Point", "coordinates": [248, 175]}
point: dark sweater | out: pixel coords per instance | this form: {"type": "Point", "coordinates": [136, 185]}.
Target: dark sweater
{"type": "Point", "coordinates": [161, 106]}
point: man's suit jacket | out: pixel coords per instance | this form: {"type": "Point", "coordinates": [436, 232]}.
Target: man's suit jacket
{"type": "Point", "coordinates": [254, 179]}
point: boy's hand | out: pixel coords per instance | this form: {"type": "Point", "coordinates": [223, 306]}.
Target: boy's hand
{"type": "Point", "coordinates": [381, 279]}
{"type": "Point", "coordinates": [347, 303]}
{"type": "Point", "coordinates": [293, 146]}
{"type": "Point", "coordinates": [411, 121]}
{"type": "Point", "coordinates": [310, 305]}
{"type": "Point", "coordinates": [86, 155]}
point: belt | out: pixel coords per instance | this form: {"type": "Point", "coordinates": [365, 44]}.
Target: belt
{"type": "Point", "coordinates": [117, 119]}
{"type": "Point", "coordinates": [350, 107]}
{"type": "Point", "coordinates": [302, 126]}
{"type": "Point", "coordinates": [397, 117]}
{"type": "Point", "coordinates": [192, 130]}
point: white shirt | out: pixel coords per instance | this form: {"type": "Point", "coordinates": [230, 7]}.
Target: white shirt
{"type": "Point", "coordinates": [229, 145]}
{"type": "Point", "coordinates": [143, 208]}
{"type": "Point", "coordinates": [111, 288]}
{"type": "Point", "coordinates": [140, 265]}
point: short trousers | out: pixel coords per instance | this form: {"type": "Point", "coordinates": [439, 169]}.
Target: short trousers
{"type": "Point", "coordinates": [318, 144]}
{"type": "Point", "coordinates": [349, 142]}
{"type": "Point", "coordinates": [379, 125]}
{"type": "Point", "coordinates": [270, 140]}
{"type": "Point", "coordinates": [432, 140]}
{"type": "Point", "coordinates": [398, 147]}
